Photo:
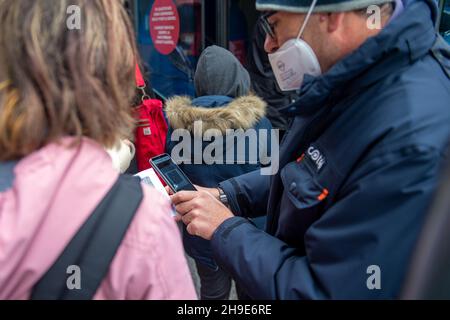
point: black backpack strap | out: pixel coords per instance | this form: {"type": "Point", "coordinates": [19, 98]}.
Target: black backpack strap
{"type": "Point", "coordinates": [94, 246]}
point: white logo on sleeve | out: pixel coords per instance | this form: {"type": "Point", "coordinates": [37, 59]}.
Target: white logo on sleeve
{"type": "Point", "coordinates": [317, 157]}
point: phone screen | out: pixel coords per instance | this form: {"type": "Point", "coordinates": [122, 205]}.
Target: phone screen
{"type": "Point", "coordinates": [171, 174]}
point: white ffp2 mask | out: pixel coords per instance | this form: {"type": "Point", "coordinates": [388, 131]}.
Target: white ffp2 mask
{"type": "Point", "coordinates": [294, 59]}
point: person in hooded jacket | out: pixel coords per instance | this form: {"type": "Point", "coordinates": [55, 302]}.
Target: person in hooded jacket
{"type": "Point", "coordinates": [223, 103]}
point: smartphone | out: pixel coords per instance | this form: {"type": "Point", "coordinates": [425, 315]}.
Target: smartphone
{"type": "Point", "coordinates": [171, 173]}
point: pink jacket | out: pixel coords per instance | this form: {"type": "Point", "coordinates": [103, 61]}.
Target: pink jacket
{"type": "Point", "coordinates": [54, 191]}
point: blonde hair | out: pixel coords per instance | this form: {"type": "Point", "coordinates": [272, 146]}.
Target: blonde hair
{"type": "Point", "coordinates": [59, 82]}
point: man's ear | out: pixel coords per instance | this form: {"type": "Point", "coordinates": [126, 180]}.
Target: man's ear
{"type": "Point", "coordinates": [333, 20]}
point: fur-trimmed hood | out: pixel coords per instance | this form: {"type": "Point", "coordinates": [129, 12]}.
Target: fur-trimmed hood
{"type": "Point", "coordinates": [241, 113]}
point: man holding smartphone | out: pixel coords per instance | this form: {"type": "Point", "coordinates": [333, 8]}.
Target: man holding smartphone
{"type": "Point", "coordinates": [359, 163]}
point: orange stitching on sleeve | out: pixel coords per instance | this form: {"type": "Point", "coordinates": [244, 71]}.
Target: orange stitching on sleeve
{"type": "Point", "coordinates": [323, 195]}
{"type": "Point", "coordinates": [301, 158]}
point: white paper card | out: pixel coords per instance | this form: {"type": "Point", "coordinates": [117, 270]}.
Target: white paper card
{"type": "Point", "coordinates": [150, 178]}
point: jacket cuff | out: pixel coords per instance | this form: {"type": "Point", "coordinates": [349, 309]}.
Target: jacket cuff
{"type": "Point", "coordinates": [223, 231]}
{"type": "Point", "coordinates": [229, 189]}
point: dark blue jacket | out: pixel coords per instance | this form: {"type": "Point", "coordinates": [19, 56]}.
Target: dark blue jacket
{"type": "Point", "coordinates": [220, 113]}
{"type": "Point", "coordinates": [358, 169]}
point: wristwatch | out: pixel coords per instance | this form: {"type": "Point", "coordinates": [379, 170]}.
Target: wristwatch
{"type": "Point", "coordinates": [222, 196]}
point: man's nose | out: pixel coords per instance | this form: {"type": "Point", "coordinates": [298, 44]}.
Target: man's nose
{"type": "Point", "coordinates": [270, 44]}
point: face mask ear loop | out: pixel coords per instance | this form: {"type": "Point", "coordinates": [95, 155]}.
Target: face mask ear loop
{"type": "Point", "coordinates": [310, 11]}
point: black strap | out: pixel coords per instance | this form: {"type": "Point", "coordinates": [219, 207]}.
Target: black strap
{"type": "Point", "coordinates": [94, 246]}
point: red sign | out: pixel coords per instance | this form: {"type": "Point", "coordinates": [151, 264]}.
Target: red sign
{"type": "Point", "coordinates": [164, 26]}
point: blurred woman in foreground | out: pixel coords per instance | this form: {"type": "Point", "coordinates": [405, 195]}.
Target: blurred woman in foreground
{"type": "Point", "coordinates": [65, 96]}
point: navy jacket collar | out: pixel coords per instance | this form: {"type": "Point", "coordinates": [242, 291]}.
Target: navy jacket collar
{"type": "Point", "coordinates": [211, 101]}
